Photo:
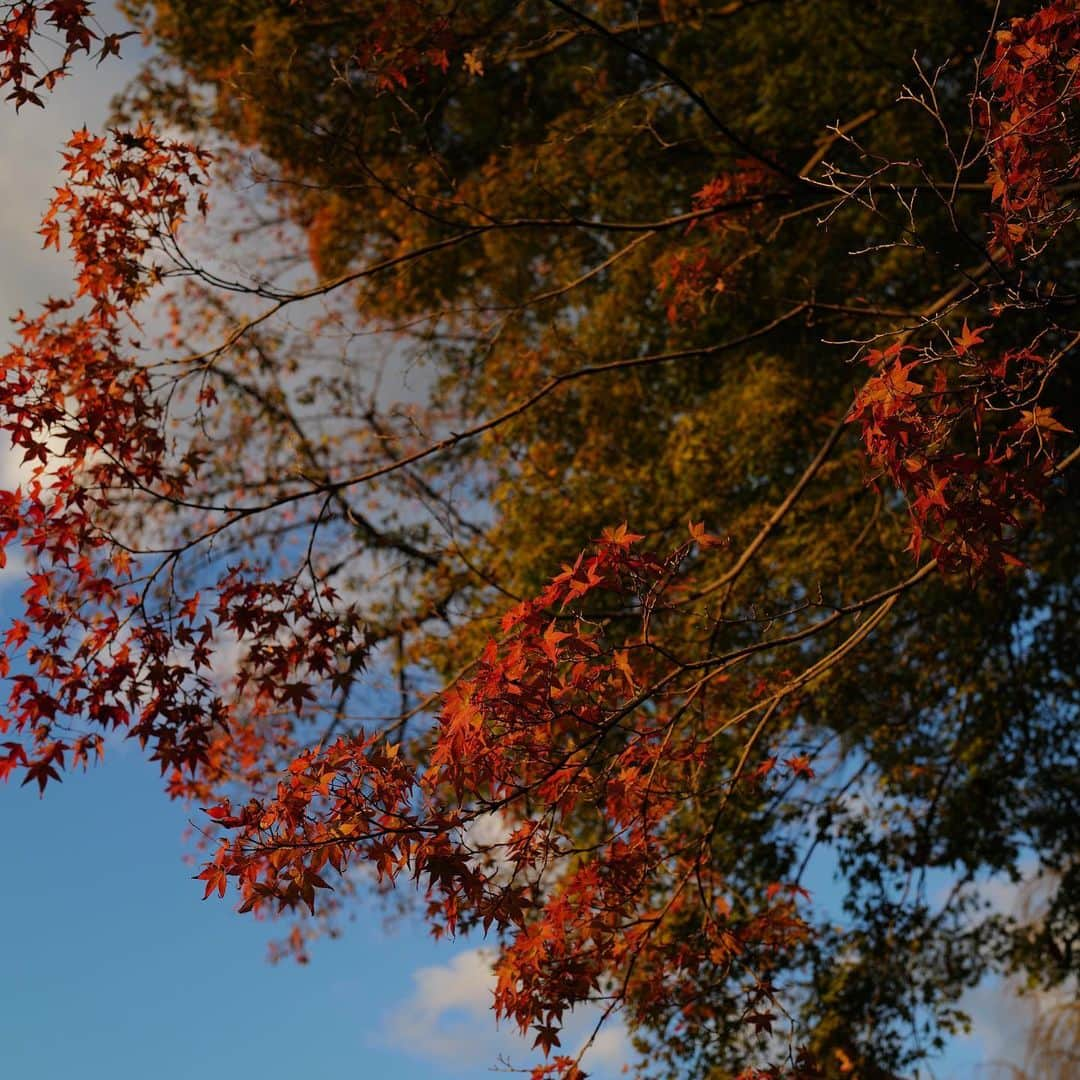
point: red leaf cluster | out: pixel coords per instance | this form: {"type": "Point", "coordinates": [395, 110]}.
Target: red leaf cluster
{"type": "Point", "coordinates": [723, 210]}
{"type": "Point", "coordinates": [544, 728]}
{"type": "Point", "coordinates": [1031, 131]}
{"type": "Point", "coordinates": [24, 28]}
{"type": "Point", "coordinates": [968, 476]}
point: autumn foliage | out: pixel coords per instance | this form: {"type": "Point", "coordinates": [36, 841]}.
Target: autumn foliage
{"type": "Point", "coordinates": [619, 770]}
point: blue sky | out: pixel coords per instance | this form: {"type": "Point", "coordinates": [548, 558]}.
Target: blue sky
{"type": "Point", "coordinates": [112, 966]}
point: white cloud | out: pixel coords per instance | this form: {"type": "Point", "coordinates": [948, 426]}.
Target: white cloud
{"type": "Point", "coordinates": [448, 1021]}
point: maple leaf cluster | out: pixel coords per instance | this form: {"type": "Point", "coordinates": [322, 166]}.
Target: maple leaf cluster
{"type": "Point", "coordinates": [961, 430]}
{"type": "Point", "coordinates": [94, 647]}
{"type": "Point", "coordinates": [544, 727]}
{"type": "Point", "coordinates": [24, 25]}
{"type": "Point", "coordinates": [1032, 126]}
{"type": "Point", "coordinates": [722, 214]}
{"type": "Point", "coordinates": [966, 504]}
{"type": "Point", "coordinates": [87, 427]}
